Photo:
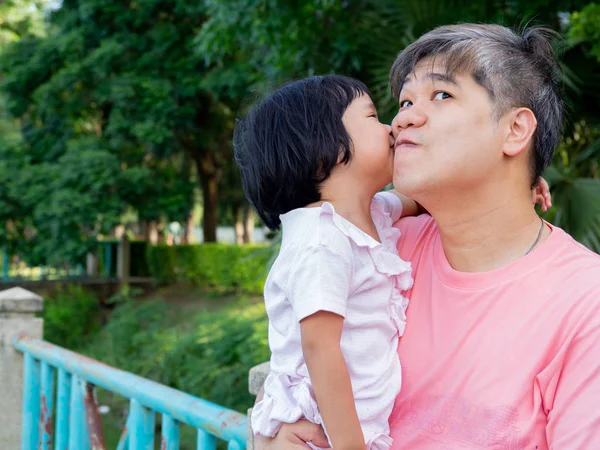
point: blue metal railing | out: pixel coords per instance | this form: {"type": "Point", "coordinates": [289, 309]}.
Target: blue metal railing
{"type": "Point", "coordinates": [77, 421]}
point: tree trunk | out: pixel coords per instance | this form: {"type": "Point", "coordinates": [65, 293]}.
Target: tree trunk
{"type": "Point", "coordinates": [187, 236]}
{"type": "Point", "coordinates": [210, 185]}
{"type": "Point", "coordinates": [208, 173]}
{"type": "Point", "coordinates": [248, 224]}
{"type": "Point", "coordinates": [189, 230]}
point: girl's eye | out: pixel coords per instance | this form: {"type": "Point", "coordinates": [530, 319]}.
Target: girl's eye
{"type": "Point", "coordinates": [441, 95]}
{"type": "Point", "coordinates": [405, 103]}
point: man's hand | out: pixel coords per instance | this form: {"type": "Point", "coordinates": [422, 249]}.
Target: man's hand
{"type": "Point", "coordinates": [293, 436]}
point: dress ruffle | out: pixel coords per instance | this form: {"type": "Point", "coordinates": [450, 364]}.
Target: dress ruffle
{"type": "Point", "coordinates": [384, 255]}
{"type": "Point", "coordinates": [379, 441]}
{"type": "Point", "coordinates": [270, 413]}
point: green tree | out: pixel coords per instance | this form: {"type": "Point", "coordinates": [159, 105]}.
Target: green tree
{"type": "Point", "coordinates": [574, 173]}
{"type": "Point", "coordinates": [252, 44]}
{"type": "Point", "coordinates": [585, 25]}
{"type": "Point", "coordinates": [115, 85]}
{"type": "Point", "coordinates": [19, 18]}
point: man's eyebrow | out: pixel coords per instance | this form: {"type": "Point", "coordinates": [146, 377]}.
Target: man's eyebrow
{"type": "Point", "coordinates": [434, 76]}
{"type": "Point", "coordinates": [445, 78]}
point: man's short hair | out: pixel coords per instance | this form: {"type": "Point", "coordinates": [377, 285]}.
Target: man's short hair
{"type": "Point", "coordinates": [516, 69]}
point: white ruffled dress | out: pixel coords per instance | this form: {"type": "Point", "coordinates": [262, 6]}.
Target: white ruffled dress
{"type": "Point", "coordinates": [327, 263]}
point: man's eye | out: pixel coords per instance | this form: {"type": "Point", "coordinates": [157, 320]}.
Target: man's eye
{"type": "Point", "coordinates": [441, 95]}
{"type": "Point", "coordinates": [405, 103]}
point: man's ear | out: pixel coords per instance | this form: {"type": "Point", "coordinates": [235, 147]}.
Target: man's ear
{"type": "Point", "coordinates": [521, 124]}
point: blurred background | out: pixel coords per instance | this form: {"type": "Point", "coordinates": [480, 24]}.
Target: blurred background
{"type": "Point", "coordinates": [116, 122]}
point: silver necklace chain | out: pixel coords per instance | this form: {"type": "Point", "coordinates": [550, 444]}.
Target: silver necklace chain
{"type": "Point", "coordinates": [538, 237]}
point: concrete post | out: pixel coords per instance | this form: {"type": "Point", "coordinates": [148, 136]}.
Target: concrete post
{"type": "Point", "coordinates": [18, 308]}
{"type": "Point", "coordinates": [124, 260]}
{"type": "Point", "coordinates": [91, 265]}
{"type": "Point", "coordinates": [256, 378]}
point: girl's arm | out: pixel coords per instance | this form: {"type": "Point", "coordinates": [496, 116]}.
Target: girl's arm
{"type": "Point", "coordinates": [321, 333]}
{"type": "Point", "coordinates": [409, 206]}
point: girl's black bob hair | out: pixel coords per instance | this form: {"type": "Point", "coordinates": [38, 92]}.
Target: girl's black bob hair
{"type": "Point", "coordinates": [289, 142]}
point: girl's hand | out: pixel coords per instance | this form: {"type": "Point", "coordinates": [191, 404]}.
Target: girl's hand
{"type": "Point", "coordinates": [541, 194]}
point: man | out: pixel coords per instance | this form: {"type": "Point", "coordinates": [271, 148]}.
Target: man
{"type": "Point", "coordinates": [502, 344]}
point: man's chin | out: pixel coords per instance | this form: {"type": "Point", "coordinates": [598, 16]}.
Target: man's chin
{"type": "Point", "coordinates": [413, 187]}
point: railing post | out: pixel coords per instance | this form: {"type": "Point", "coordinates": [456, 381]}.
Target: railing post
{"type": "Point", "coordinates": [256, 378]}
{"type": "Point", "coordinates": [91, 264]}
{"type": "Point", "coordinates": [18, 309]}
{"type": "Point", "coordinates": [123, 260]}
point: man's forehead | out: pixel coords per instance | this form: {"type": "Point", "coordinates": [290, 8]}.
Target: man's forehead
{"type": "Point", "coordinates": [430, 70]}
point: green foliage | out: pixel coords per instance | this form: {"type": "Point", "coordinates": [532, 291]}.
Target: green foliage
{"type": "Point", "coordinates": [208, 356]}
{"type": "Point", "coordinates": [576, 185]}
{"type": "Point", "coordinates": [211, 264]}
{"type": "Point", "coordinates": [19, 18]}
{"type": "Point", "coordinates": [226, 345]}
{"type": "Point", "coordinates": [256, 42]}
{"type": "Point", "coordinates": [106, 104]}
{"type": "Point", "coordinates": [71, 317]}
{"type": "Point", "coordinates": [585, 25]}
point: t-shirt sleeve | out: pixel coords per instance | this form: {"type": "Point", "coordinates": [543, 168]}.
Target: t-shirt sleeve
{"type": "Point", "coordinates": [392, 205]}
{"type": "Point", "coordinates": [574, 420]}
{"type": "Point", "coordinates": [319, 281]}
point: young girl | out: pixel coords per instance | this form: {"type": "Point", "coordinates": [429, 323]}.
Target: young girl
{"type": "Point", "coordinates": [313, 157]}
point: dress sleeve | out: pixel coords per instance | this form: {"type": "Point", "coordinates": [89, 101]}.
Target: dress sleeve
{"type": "Point", "coordinates": [391, 204]}
{"type": "Point", "coordinates": [319, 281]}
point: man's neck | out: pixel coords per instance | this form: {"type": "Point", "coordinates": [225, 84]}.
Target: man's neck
{"type": "Point", "coordinates": [488, 235]}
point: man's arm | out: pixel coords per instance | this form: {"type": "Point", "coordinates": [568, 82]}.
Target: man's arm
{"type": "Point", "coordinates": [293, 436]}
{"type": "Point", "coordinates": [574, 416]}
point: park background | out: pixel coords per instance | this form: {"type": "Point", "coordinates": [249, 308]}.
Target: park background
{"type": "Point", "coordinates": [116, 120]}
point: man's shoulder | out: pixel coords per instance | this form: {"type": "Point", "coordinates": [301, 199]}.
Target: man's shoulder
{"type": "Point", "coordinates": [577, 268]}
{"type": "Point", "coordinates": [575, 254]}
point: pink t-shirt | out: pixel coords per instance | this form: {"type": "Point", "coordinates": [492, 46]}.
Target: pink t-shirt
{"type": "Point", "coordinates": [505, 360]}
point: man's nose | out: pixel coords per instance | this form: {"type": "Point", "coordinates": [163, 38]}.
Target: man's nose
{"type": "Point", "coordinates": [409, 117]}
